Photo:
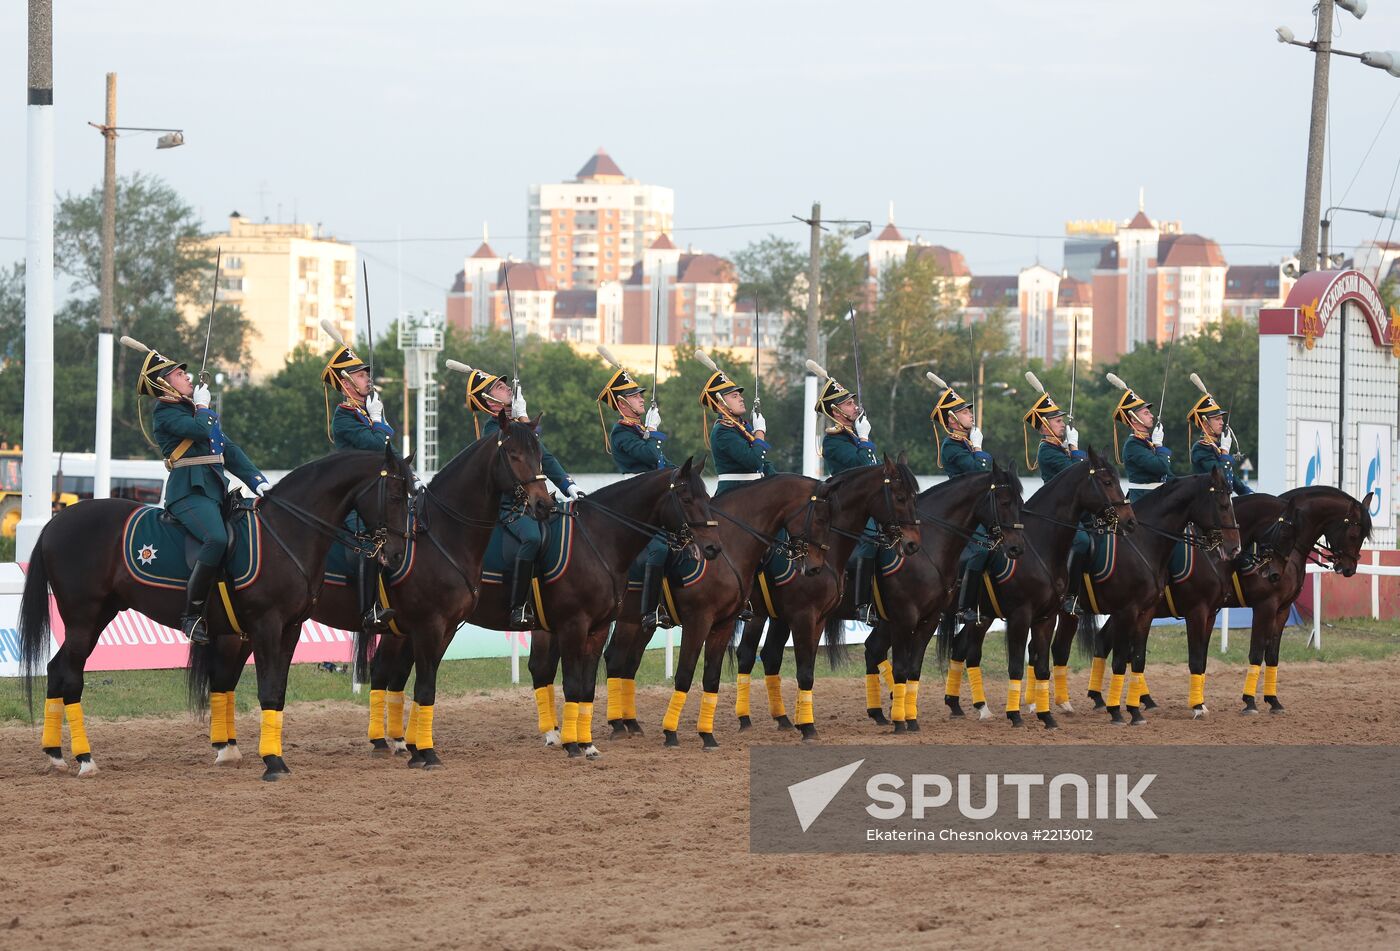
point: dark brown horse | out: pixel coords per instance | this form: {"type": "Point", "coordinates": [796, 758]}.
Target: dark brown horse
{"type": "Point", "coordinates": [79, 556]}
{"type": "Point", "coordinates": [455, 515]}
{"type": "Point", "coordinates": [750, 517]}
{"type": "Point", "coordinates": [804, 604]}
{"type": "Point", "coordinates": [916, 592]}
{"type": "Point", "coordinates": [1030, 595]}
{"type": "Point", "coordinates": [579, 605]}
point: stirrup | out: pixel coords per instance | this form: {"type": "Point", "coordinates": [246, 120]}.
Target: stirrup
{"type": "Point", "coordinates": [968, 615]}
{"type": "Point", "coordinates": [747, 613]}
{"type": "Point", "coordinates": [377, 618]}
{"type": "Point", "coordinates": [1070, 605]}
{"type": "Point", "coordinates": [195, 629]}
{"type": "Point", "coordinates": [867, 615]}
{"type": "Point", "coordinates": [523, 616]}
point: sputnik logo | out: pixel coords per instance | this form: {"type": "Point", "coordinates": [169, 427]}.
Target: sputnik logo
{"type": "Point", "coordinates": [811, 796]}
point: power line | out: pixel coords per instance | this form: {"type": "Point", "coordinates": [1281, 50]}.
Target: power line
{"type": "Point", "coordinates": [524, 237]}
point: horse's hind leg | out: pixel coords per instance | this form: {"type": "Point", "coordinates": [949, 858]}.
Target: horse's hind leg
{"type": "Point", "coordinates": [592, 654]}
{"type": "Point", "coordinates": [715, 646]}
{"type": "Point", "coordinates": [774, 643]}
{"type": "Point", "coordinates": [697, 624]}
{"type": "Point", "coordinates": [877, 667]}
{"type": "Point", "coordinates": [226, 658]}
{"type": "Point", "coordinates": [544, 665]}
{"type": "Point", "coordinates": [621, 658]}
{"type": "Point", "coordinates": [1041, 632]}
{"type": "Point", "coordinates": [427, 655]}
{"type": "Point", "coordinates": [1103, 642]}
{"type": "Point", "coordinates": [1199, 623]}
{"type": "Point", "coordinates": [746, 654]}
{"type": "Point", "coordinates": [64, 697]}
{"type": "Point", "coordinates": [1271, 667]}
{"type": "Point", "coordinates": [1065, 626]}
{"type": "Point", "coordinates": [973, 636]}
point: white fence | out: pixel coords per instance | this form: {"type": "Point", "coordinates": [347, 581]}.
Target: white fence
{"type": "Point", "coordinates": [1375, 569]}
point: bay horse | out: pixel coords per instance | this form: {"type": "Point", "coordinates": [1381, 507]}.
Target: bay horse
{"type": "Point", "coordinates": [580, 604]}
{"type": "Point", "coordinates": [917, 591]}
{"type": "Point", "coordinates": [804, 605]}
{"type": "Point", "coordinates": [1030, 597]}
{"type": "Point", "coordinates": [1283, 530]}
{"type": "Point", "coordinates": [751, 517]}
{"type": "Point", "coordinates": [1136, 577]}
{"type": "Point", "coordinates": [79, 556]}
{"type": "Point", "coordinates": [454, 517]}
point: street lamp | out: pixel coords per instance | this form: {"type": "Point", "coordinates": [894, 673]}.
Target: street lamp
{"type": "Point", "coordinates": [1317, 129]}
{"type": "Point", "coordinates": [1324, 260]}
{"type": "Point", "coordinates": [173, 138]}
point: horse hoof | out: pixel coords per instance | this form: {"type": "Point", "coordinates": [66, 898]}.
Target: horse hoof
{"type": "Point", "coordinates": [900, 726]}
{"type": "Point", "coordinates": [634, 728]}
{"type": "Point", "coordinates": [1249, 712]}
{"type": "Point", "coordinates": [983, 713]}
{"type": "Point", "coordinates": [86, 767]}
{"type": "Point", "coordinates": [1097, 697]}
{"type": "Point", "coordinates": [398, 747]}
{"type": "Point", "coordinates": [1274, 705]}
{"type": "Point", "coordinates": [1137, 718]}
{"type": "Point", "coordinates": [1066, 707]}
{"type": "Point", "coordinates": [592, 752]}
{"type": "Point", "coordinates": [619, 731]}
{"type": "Point", "coordinates": [57, 764]}
{"type": "Point", "coordinates": [379, 747]}
{"type": "Point", "coordinates": [551, 738]}
{"type": "Point", "coordinates": [1048, 719]}
{"type": "Point", "coordinates": [707, 742]}
{"type": "Point", "coordinates": [228, 755]}
{"type": "Point", "coordinates": [878, 715]}
{"type": "Point", "coordinates": [783, 722]}
{"type": "Point", "coordinates": [1013, 717]}
{"type": "Point", "coordinates": [428, 759]}
{"type": "Point", "coordinates": [671, 739]}
{"type": "Point", "coordinates": [912, 726]}
{"type": "Point", "coordinates": [1199, 711]}
{"type": "Point", "coordinates": [416, 761]}
{"type": "Point", "coordinates": [276, 769]}
{"type": "Point", "coordinates": [745, 723]}
{"type": "Point", "coordinates": [1115, 716]}
{"type": "Point", "coordinates": [809, 732]}
{"type": "Point", "coordinates": [954, 706]}
{"type": "Point", "coordinates": [573, 750]}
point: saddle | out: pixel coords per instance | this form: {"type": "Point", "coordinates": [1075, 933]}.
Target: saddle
{"type": "Point", "coordinates": [159, 552]}
{"type": "Point", "coordinates": [231, 507]}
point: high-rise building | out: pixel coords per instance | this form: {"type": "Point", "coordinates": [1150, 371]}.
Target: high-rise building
{"type": "Point", "coordinates": [594, 228]}
{"type": "Point", "coordinates": [284, 278]}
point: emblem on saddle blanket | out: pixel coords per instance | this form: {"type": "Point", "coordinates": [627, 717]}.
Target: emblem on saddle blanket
{"type": "Point", "coordinates": [155, 550]}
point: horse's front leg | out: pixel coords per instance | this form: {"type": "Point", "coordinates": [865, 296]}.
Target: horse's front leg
{"type": "Point", "coordinates": [879, 646]}
{"type": "Point", "coordinates": [273, 658]}
{"type": "Point", "coordinates": [427, 655]}
{"type": "Point", "coordinates": [544, 666]}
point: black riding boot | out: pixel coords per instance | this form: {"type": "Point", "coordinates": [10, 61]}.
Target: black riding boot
{"type": "Point", "coordinates": [196, 597]}
{"type": "Point", "coordinates": [863, 591]}
{"type": "Point", "coordinates": [653, 607]}
{"type": "Point", "coordinates": [373, 615]}
{"type": "Point", "coordinates": [967, 598]}
{"type": "Point", "coordinates": [522, 607]}
{"type": "Point", "coordinates": [1074, 593]}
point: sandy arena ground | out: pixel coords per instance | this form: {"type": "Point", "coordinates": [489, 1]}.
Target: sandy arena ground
{"type": "Point", "coordinates": [516, 846]}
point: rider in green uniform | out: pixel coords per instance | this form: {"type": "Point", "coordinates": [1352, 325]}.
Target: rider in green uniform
{"type": "Point", "coordinates": [635, 447]}
{"type": "Point", "coordinates": [488, 393]}
{"type": "Point", "coordinates": [960, 453]}
{"type": "Point", "coordinates": [1212, 450]}
{"type": "Point", "coordinates": [358, 423]}
{"type": "Point", "coordinates": [1147, 462]}
{"type": "Point", "coordinates": [196, 453]}
{"type": "Point", "coordinates": [740, 450]}
{"type": "Point", "coordinates": [847, 445]}
{"type": "Point", "coordinates": [1058, 450]}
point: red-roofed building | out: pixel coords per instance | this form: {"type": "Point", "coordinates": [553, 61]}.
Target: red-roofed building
{"type": "Point", "coordinates": [890, 247]}
{"type": "Point", "coordinates": [1249, 288]}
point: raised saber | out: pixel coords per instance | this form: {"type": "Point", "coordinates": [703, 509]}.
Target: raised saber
{"type": "Point", "coordinates": [656, 351]}
{"type": "Point", "coordinates": [213, 302]}
{"type": "Point", "coordinates": [756, 349]}
{"type": "Point", "coordinates": [510, 313]}
{"type": "Point", "coordinates": [1166, 374]}
{"type": "Point", "coordinates": [855, 354]}
{"type": "Point", "coordinates": [1073, 368]}
{"type": "Point", "coordinates": [369, 325]}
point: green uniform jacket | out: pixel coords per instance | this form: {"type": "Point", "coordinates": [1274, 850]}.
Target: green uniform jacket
{"type": "Point", "coordinates": [177, 421]}
{"type": "Point", "coordinates": [1145, 463]}
{"type": "Point", "coordinates": [352, 429]}
{"type": "Point", "coordinates": [960, 459]}
{"type": "Point", "coordinates": [551, 466]}
{"type": "Point", "coordinates": [636, 450]}
{"type": "Point", "coordinates": [1206, 456]}
{"type": "Point", "coordinates": [736, 452]}
{"type": "Point", "coordinates": [844, 450]}
{"type": "Point", "coordinates": [1054, 458]}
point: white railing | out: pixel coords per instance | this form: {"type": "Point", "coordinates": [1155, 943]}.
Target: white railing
{"type": "Point", "coordinates": [1375, 569]}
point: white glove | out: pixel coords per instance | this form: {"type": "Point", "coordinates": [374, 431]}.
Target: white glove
{"type": "Point", "coordinates": [517, 405]}
{"type": "Point", "coordinates": [760, 425]}
{"type": "Point", "coordinates": [575, 492]}
{"type": "Point", "coordinates": [1226, 441]}
{"type": "Point", "coordinates": [653, 418]}
{"type": "Point", "coordinates": [862, 427]}
{"type": "Point", "coordinates": [975, 437]}
{"type": "Point", "coordinates": [201, 396]}
{"type": "Point", "coordinates": [1072, 437]}
{"type": "Point", "coordinates": [374, 406]}
{"type": "Point", "coordinates": [262, 488]}
{"type": "Point", "coordinates": [1158, 434]}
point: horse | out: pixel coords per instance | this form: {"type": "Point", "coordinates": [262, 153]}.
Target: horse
{"type": "Point", "coordinates": [453, 521]}
{"type": "Point", "coordinates": [1133, 582]}
{"type": "Point", "coordinates": [707, 608]}
{"type": "Point", "coordinates": [1030, 594]}
{"type": "Point", "coordinates": [91, 583]}
{"type": "Point", "coordinates": [803, 604]}
{"type": "Point", "coordinates": [915, 592]}
{"type": "Point", "coordinates": [578, 606]}
{"type": "Point", "coordinates": [1283, 530]}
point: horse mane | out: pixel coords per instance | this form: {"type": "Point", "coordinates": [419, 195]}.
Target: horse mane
{"type": "Point", "coordinates": [469, 451]}
{"type": "Point", "coordinates": [606, 494]}
{"type": "Point", "coordinates": [1305, 492]}
{"type": "Point", "coordinates": [1167, 495]}
{"type": "Point", "coordinates": [314, 471]}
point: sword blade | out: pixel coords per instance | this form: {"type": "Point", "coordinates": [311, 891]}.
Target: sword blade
{"type": "Point", "coordinates": [369, 325]}
{"type": "Point", "coordinates": [510, 313]}
{"type": "Point", "coordinates": [213, 303]}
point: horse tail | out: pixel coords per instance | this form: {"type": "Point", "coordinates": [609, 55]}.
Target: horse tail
{"type": "Point", "coordinates": [365, 644]}
{"type": "Point", "coordinates": [947, 629]}
{"type": "Point", "coordinates": [199, 676]}
{"type": "Point", "coordinates": [34, 622]}
{"type": "Point", "coordinates": [835, 640]}
{"type": "Point", "coordinates": [1088, 635]}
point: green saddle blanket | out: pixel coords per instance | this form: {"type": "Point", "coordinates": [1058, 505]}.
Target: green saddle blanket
{"type": "Point", "coordinates": [555, 551]}
{"type": "Point", "coordinates": [158, 550]}
{"type": "Point", "coordinates": [343, 565]}
{"type": "Point", "coordinates": [682, 568]}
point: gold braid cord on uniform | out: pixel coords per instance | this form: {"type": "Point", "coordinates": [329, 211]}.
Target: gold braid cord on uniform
{"type": "Point", "coordinates": [1128, 402]}
{"type": "Point", "coordinates": [151, 381]}
{"type": "Point", "coordinates": [948, 401]}
{"type": "Point", "coordinates": [619, 384]}
{"type": "Point", "coordinates": [342, 363]}
{"type": "Point", "coordinates": [1044, 409]}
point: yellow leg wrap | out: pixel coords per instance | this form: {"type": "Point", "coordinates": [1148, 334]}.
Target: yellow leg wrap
{"type": "Point", "coordinates": [1115, 690]}
{"type": "Point", "coordinates": [708, 703]}
{"type": "Point", "coordinates": [1198, 690]}
{"type": "Point", "coordinates": [1013, 696]}
{"type": "Point", "coordinates": [911, 700]}
{"type": "Point", "coordinates": [872, 692]}
{"type": "Point", "coordinates": [1096, 674]}
{"type": "Point", "coordinates": [544, 709]}
{"type": "Point", "coordinates": [629, 699]}
{"type": "Point", "coordinates": [804, 707]}
{"type": "Point", "coordinates": [231, 715]}
{"type": "Point", "coordinates": [1134, 689]}
{"type": "Point", "coordinates": [558, 709]}
{"type": "Point", "coordinates": [1251, 680]}
{"type": "Point", "coordinates": [376, 714]}
{"type": "Point", "coordinates": [77, 733]}
{"type": "Point", "coordinates": [568, 733]}
{"type": "Point", "coordinates": [393, 702]}
{"type": "Point", "coordinates": [1042, 696]}
{"type": "Point", "coordinates": [1142, 683]}
{"type": "Point", "coordinates": [218, 726]}
{"type": "Point", "coordinates": [585, 723]}
{"type": "Point", "coordinates": [614, 698]}
{"type": "Point", "coordinates": [1061, 675]}
{"type": "Point", "coordinates": [672, 720]}
{"type": "Point", "coordinates": [886, 670]}
{"type": "Point", "coordinates": [741, 698]}
{"type": "Point", "coordinates": [53, 723]}
{"type": "Point", "coordinates": [270, 742]}
{"type": "Point", "coordinates": [425, 728]}
{"type": "Point", "coordinates": [1270, 683]}
{"type": "Point", "coordinates": [411, 737]}
{"type": "Point", "coordinates": [897, 706]}
{"type": "Point", "coordinates": [974, 683]}
{"type": "Point", "coordinates": [1030, 685]}
{"type": "Point", "coordinates": [953, 685]}
{"type": "Point", "coordinates": [774, 683]}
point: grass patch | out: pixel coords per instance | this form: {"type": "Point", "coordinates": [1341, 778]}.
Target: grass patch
{"type": "Point", "coordinates": [7, 548]}
{"type": "Point", "coordinates": [162, 693]}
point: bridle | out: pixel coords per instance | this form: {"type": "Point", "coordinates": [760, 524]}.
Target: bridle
{"type": "Point", "coordinates": [519, 494]}
{"type": "Point", "coordinates": [1105, 521]}
{"type": "Point", "coordinates": [1325, 555]}
{"type": "Point", "coordinates": [677, 540]}
{"type": "Point", "coordinates": [795, 547]}
{"type": "Point", "coordinates": [889, 532]}
{"type": "Point", "coordinates": [1206, 540]}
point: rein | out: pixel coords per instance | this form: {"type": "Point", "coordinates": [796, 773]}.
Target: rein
{"type": "Point", "coordinates": [675, 540]}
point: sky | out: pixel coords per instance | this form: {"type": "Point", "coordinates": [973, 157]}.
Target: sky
{"type": "Point", "coordinates": [424, 120]}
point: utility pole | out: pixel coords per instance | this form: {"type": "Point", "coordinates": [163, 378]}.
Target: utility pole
{"type": "Point", "coordinates": [102, 472]}
{"type": "Point", "coordinates": [812, 435]}
{"type": "Point", "coordinates": [1317, 135]}
{"type": "Point", "coordinates": [37, 504]}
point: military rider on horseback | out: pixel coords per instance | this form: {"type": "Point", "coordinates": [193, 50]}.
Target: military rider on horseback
{"type": "Point", "coordinates": [196, 454]}
{"type": "Point", "coordinates": [847, 445]}
{"type": "Point", "coordinates": [1058, 450]}
{"type": "Point", "coordinates": [960, 453]}
{"type": "Point", "coordinates": [741, 450]}
{"type": "Point", "coordinates": [1147, 462]}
